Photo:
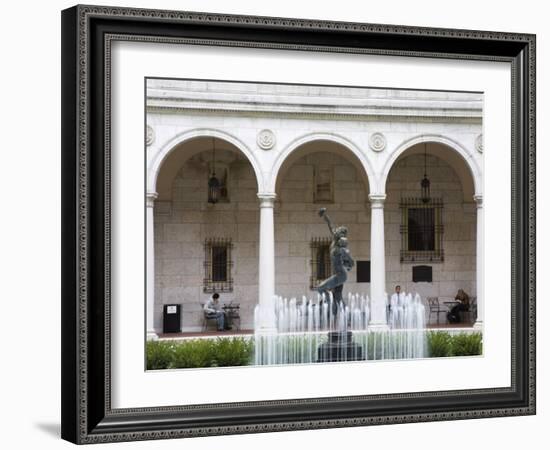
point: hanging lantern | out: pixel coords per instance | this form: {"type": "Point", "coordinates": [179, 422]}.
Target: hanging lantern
{"type": "Point", "coordinates": [213, 182]}
{"type": "Point", "coordinates": [425, 183]}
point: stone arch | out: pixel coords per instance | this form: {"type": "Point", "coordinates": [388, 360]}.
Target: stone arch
{"type": "Point", "coordinates": [458, 157]}
{"type": "Point", "coordinates": [160, 157]}
{"type": "Point", "coordinates": [358, 158]}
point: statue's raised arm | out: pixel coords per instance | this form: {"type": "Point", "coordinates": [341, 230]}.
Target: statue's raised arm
{"type": "Point", "coordinates": [324, 215]}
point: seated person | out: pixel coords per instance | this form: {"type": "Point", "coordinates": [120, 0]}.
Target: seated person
{"type": "Point", "coordinates": [213, 310]}
{"type": "Point", "coordinates": [462, 304]}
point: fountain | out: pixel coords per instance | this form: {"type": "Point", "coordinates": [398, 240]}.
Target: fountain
{"type": "Point", "coordinates": [306, 331]}
{"type": "Point", "coordinates": [329, 329]}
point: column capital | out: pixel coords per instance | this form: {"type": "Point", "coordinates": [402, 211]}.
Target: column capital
{"type": "Point", "coordinates": [267, 199]}
{"type": "Point", "coordinates": [150, 198]}
{"type": "Point", "coordinates": [478, 198]}
{"type": "Point", "coordinates": [377, 200]}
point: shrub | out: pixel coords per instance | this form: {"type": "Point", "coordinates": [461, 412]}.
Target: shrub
{"type": "Point", "coordinates": [439, 344]}
{"type": "Point", "coordinates": [464, 344]}
{"type": "Point", "coordinates": [197, 353]}
{"type": "Point", "coordinates": [159, 354]}
{"type": "Point", "coordinates": [193, 354]}
{"type": "Point", "coordinates": [232, 352]}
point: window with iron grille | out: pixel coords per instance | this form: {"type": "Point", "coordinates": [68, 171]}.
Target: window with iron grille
{"type": "Point", "coordinates": [217, 265]}
{"type": "Point", "coordinates": [421, 230]}
{"type": "Point", "coordinates": [321, 266]}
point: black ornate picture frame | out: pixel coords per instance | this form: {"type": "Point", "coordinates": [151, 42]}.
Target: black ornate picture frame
{"type": "Point", "coordinates": [87, 35]}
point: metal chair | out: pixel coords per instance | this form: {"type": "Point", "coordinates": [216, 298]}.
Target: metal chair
{"type": "Point", "coordinates": [435, 307]}
{"type": "Point", "coordinates": [233, 314]}
{"type": "Point", "coordinates": [470, 315]}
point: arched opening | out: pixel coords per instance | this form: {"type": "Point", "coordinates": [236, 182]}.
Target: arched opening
{"type": "Point", "coordinates": [316, 174]}
{"type": "Point", "coordinates": [464, 164]}
{"type": "Point", "coordinates": [202, 247]}
{"type": "Point", "coordinates": [440, 233]}
{"type": "Point", "coordinates": [165, 168]}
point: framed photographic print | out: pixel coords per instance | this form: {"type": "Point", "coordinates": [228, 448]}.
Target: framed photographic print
{"type": "Point", "coordinates": [282, 224]}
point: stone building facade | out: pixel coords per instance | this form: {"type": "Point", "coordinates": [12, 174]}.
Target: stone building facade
{"type": "Point", "coordinates": [274, 145]}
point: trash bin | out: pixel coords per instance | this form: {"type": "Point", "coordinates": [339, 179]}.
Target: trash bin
{"type": "Point", "coordinates": [171, 319]}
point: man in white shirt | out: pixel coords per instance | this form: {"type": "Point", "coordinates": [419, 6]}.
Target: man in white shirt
{"type": "Point", "coordinates": [213, 310]}
{"type": "Point", "coordinates": [395, 307]}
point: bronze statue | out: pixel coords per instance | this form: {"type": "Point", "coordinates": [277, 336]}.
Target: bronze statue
{"type": "Point", "coordinates": [342, 263]}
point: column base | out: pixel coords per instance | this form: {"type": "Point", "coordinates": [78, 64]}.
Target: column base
{"type": "Point", "coordinates": [152, 336]}
{"type": "Point", "coordinates": [478, 326]}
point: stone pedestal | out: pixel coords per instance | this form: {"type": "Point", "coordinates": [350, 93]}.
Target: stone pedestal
{"type": "Point", "coordinates": [340, 347]}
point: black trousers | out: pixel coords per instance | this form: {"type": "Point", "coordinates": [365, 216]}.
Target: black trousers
{"type": "Point", "coordinates": [453, 316]}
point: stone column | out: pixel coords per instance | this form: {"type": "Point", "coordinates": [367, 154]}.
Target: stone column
{"type": "Point", "coordinates": [377, 262]}
{"type": "Point", "coordinates": [266, 281]}
{"type": "Point", "coordinates": [150, 255]}
{"type": "Point", "coordinates": [480, 273]}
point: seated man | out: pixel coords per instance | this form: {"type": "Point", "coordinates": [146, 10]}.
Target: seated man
{"type": "Point", "coordinates": [213, 310]}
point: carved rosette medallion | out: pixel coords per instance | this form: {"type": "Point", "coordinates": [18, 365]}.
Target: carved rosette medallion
{"type": "Point", "coordinates": [266, 139]}
{"type": "Point", "coordinates": [377, 142]}
{"type": "Point", "coordinates": [479, 143]}
{"type": "Point", "coordinates": [149, 135]}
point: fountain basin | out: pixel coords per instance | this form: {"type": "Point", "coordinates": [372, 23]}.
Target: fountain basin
{"type": "Point", "coordinates": [340, 347]}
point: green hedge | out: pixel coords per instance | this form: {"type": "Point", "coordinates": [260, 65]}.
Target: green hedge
{"type": "Point", "coordinates": [197, 353]}
{"type": "Point", "coordinates": [159, 354]}
{"type": "Point", "coordinates": [226, 352]}
{"type": "Point", "coordinates": [467, 344]}
{"type": "Point", "coordinates": [441, 344]}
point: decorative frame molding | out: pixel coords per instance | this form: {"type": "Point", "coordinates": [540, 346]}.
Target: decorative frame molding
{"type": "Point", "coordinates": [87, 34]}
